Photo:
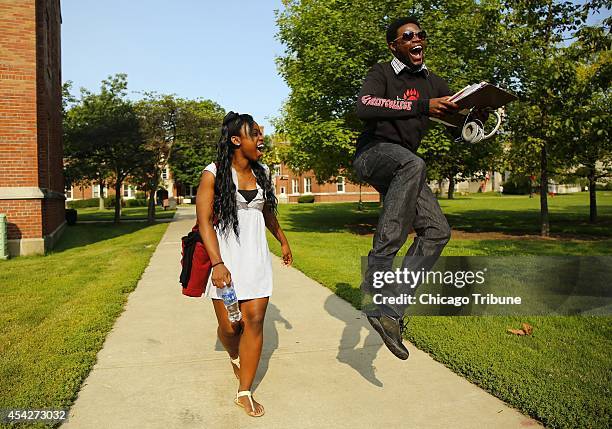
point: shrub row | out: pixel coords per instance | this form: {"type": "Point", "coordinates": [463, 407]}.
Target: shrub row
{"type": "Point", "coordinates": [109, 202]}
{"type": "Point", "coordinates": [306, 199]}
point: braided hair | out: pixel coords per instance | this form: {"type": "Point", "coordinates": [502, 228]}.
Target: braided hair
{"type": "Point", "coordinates": [225, 209]}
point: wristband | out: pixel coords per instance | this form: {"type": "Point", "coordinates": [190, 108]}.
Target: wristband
{"type": "Point", "coordinates": [214, 265]}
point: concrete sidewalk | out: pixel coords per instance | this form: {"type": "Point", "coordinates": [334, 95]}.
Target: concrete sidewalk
{"type": "Point", "coordinates": [322, 365]}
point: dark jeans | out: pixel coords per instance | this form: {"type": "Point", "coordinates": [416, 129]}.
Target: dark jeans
{"type": "Point", "coordinates": [408, 203]}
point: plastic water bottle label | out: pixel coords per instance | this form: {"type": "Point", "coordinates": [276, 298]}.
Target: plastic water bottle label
{"type": "Point", "coordinates": [229, 295]}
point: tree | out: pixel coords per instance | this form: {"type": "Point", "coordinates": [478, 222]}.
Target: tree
{"type": "Point", "coordinates": [104, 129]}
{"type": "Point", "coordinates": [588, 115]}
{"type": "Point", "coordinates": [542, 78]}
{"type": "Point", "coordinates": [198, 124]}
{"type": "Point", "coordinates": [81, 166]}
{"type": "Point", "coordinates": [157, 116]}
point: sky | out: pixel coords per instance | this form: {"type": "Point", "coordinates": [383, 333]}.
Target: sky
{"type": "Point", "coordinates": [220, 50]}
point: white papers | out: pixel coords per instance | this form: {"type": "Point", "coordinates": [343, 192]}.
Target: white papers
{"type": "Point", "coordinates": [470, 89]}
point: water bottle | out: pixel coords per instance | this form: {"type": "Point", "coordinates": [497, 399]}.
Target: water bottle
{"type": "Point", "coordinates": [231, 303]}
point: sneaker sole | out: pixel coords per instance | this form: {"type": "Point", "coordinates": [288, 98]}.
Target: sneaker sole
{"type": "Point", "coordinates": [391, 345]}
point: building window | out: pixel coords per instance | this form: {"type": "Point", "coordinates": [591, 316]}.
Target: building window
{"type": "Point", "coordinates": [96, 191]}
{"type": "Point", "coordinates": [307, 185]}
{"type": "Point", "coordinates": [340, 184]}
{"type": "Point", "coordinates": [165, 174]}
{"type": "Point", "coordinates": [69, 193]}
{"type": "Point", "coordinates": [128, 191]}
{"type": "Point", "coordinates": [277, 170]}
{"type": "Point", "coordinates": [295, 186]}
{"type": "Point", "coordinates": [283, 190]}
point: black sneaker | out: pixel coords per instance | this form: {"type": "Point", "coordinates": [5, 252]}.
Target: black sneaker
{"type": "Point", "coordinates": [391, 331]}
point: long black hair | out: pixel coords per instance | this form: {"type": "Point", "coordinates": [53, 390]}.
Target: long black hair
{"type": "Point", "coordinates": [224, 206]}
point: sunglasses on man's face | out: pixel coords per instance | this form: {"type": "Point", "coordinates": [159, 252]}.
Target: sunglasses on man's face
{"type": "Point", "coordinates": [407, 36]}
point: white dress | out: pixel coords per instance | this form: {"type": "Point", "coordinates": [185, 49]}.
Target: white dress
{"type": "Point", "coordinates": [248, 260]}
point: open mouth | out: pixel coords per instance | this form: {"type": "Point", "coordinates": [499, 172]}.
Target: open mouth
{"type": "Point", "coordinates": [416, 53]}
{"type": "Point", "coordinates": [260, 148]}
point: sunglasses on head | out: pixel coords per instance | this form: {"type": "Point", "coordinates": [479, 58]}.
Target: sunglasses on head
{"type": "Point", "coordinates": [409, 35]}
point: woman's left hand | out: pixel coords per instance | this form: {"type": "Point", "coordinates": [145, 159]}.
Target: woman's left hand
{"type": "Point", "coordinates": [287, 257]}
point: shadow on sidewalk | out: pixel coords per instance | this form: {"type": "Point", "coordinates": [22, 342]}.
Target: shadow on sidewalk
{"type": "Point", "coordinates": [360, 359]}
{"type": "Point", "coordinates": [273, 315]}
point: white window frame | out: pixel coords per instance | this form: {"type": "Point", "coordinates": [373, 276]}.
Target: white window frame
{"type": "Point", "coordinates": [131, 191]}
{"type": "Point", "coordinates": [95, 191]}
{"type": "Point", "coordinates": [295, 186]}
{"type": "Point", "coordinates": [68, 193]}
{"type": "Point", "coordinates": [164, 174]}
{"type": "Point", "coordinates": [283, 190]}
{"type": "Point", "coordinates": [307, 185]}
{"type": "Point", "coordinates": [340, 185]}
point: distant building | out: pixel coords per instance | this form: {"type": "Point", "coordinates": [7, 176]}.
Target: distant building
{"type": "Point", "coordinates": [31, 170]}
{"type": "Point", "coordinates": [128, 191]}
{"type": "Point", "coordinates": [289, 186]}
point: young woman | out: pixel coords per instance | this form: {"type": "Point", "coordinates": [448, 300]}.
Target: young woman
{"type": "Point", "coordinates": [235, 203]}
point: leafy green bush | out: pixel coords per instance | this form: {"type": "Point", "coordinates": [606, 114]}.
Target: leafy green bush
{"type": "Point", "coordinates": [81, 204]}
{"type": "Point", "coordinates": [517, 185]}
{"type": "Point", "coordinates": [141, 195]}
{"type": "Point", "coordinates": [306, 199]}
{"type": "Point", "coordinates": [138, 202]}
{"type": "Point", "coordinates": [109, 202]}
{"type": "Point", "coordinates": [604, 186]}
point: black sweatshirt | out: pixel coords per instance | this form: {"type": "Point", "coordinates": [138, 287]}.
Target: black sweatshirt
{"type": "Point", "coordinates": [395, 107]}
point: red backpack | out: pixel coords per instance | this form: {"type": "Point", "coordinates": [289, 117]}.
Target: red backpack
{"type": "Point", "coordinates": [196, 264]}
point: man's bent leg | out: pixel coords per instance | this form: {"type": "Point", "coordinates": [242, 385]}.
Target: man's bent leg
{"type": "Point", "coordinates": [404, 173]}
{"type": "Point", "coordinates": [433, 233]}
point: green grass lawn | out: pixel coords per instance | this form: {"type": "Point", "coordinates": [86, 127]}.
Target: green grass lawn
{"type": "Point", "coordinates": [56, 310]}
{"type": "Point", "coordinates": [559, 375]}
{"type": "Point", "coordinates": [127, 213]}
{"type": "Point", "coordinates": [519, 214]}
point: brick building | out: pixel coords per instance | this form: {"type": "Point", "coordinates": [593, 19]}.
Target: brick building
{"type": "Point", "coordinates": [289, 186]}
{"type": "Point", "coordinates": [128, 191]}
{"type": "Point", "coordinates": [31, 173]}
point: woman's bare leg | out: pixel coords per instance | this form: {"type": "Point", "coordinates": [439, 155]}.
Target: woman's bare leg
{"type": "Point", "coordinates": [251, 342]}
{"type": "Point", "coordinates": [228, 333]}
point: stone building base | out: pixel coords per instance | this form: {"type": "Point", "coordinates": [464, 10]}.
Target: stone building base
{"type": "Point", "coordinates": [35, 246]}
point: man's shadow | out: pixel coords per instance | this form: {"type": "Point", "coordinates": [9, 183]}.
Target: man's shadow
{"type": "Point", "coordinates": [360, 359]}
{"type": "Point", "coordinates": [273, 315]}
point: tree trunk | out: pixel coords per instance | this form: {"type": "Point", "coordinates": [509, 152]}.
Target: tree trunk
{"type": "Point", "coordinates": [118, 202]}
{"type": "Point", "coordinates": [492, 181]}
{"type": "Point", "coordinates": [544, 225]}
{"type": "Point", "coordinates": [451, 187]}
{"type": "Point", "coordinates": [151, 207]}
{"type": "Point", "coordinates": [592, 197]}
{"type": "Point", "coordinates": [101, 196]}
